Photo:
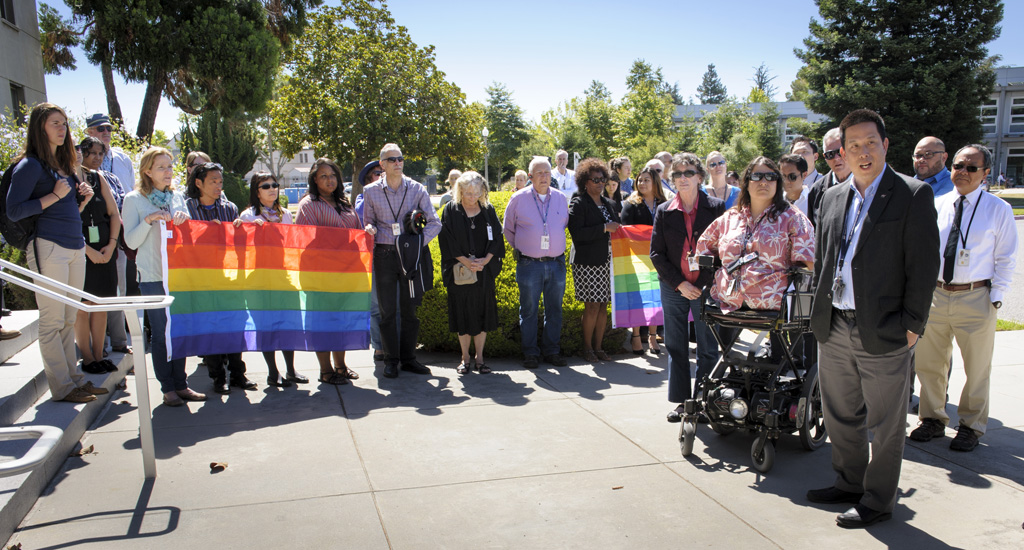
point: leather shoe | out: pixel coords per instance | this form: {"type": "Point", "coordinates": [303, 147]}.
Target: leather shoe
{"type": "Point", "coordinates": [530, 362]}
{"type": "Point", "coordinates": [243, 383]}
{"type": "Point", "coordinates": [556, 360]}
{"type": "Point", "coordinates": [832, 495]}
{"type": "Point", "coordinates": [930, 428]}
{"type": "Point", "coordinates": [675, 415]}
{"type": "Point", "coordinates": [391, 370]}
{"type": "Point", "coordinates": [861, 516]}
{"type": "Point", "coordinates": [220, 385]}
{"type": "Point", "coordinates": [415, 367]}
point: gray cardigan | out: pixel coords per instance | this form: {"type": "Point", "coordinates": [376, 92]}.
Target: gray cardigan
{"type": "Point", "coordinates": [146, 237]}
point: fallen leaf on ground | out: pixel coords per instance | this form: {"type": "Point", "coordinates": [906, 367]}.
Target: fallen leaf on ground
{"type": "Point", "coordinates": [86, 451]}
{"type": "Point", "coordinates": [218, 467]}
{"type": "Point", "coordinates": [616, 488]}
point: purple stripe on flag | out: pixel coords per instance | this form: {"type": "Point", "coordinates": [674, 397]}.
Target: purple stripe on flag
{"type": "Point", "coordinates": [270, 341]}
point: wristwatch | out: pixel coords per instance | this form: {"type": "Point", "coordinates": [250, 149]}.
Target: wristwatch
{"type": "Point", "coordinates": [997, 305]}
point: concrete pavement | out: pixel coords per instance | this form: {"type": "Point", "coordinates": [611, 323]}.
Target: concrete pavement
{"type": "Point", "coordinates": [576, 457]}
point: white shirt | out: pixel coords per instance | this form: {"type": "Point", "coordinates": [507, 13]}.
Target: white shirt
{"type": "Point", "coordinates": [811, 178]}
{"type": "Point", "coordinates": [991, 233]}
{"type": "Point", "coordinates": [855, 216]}
{"type": "Point", "coordinates": [121, 166]}
{"type": "Point", "coordinates": [566, 182]}
{"type": "Point", "coordinates": [801, 202]}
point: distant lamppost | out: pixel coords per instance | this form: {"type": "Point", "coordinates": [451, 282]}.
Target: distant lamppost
{"type": "Point", "coordinates": [487, 155]}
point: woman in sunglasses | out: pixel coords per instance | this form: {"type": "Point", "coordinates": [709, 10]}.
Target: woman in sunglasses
{"type": "Point", "coordinates": [265, 207]}
{"type": "Point", "coordinates": [762, 236]}
{"type": "Point", "coordinates": [720, 187]}
{"type": "Point", "coordinates": [678, 224]}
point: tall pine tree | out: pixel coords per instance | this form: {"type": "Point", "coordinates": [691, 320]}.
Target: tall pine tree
{"type": "Point", "coordinates": [921, 64]}
{"type": "Point", "coordinates": [711, 89]}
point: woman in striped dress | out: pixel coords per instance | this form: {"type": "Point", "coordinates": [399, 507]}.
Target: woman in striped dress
{"type": "Point", "coordinates": [325, 205]}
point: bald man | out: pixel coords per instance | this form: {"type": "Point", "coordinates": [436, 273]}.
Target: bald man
{"type": "Point", "coordinates": [930, 165]}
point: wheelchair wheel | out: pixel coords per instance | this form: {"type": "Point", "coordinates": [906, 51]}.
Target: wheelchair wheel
{"type": "Point", "coordinates": [764, 460]}
{"type": "Point", "coordinates": [687, 433]}
{"type": "Point", "coordinates": [812, 432]}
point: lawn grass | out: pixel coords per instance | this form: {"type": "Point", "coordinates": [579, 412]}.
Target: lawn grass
{"type": "Point", "coordinates": [1004, 324]}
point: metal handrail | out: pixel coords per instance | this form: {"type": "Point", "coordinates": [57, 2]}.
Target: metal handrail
{"type": "Point", "coordinates": [134, 304]}
{"type": "Point", "coordinates": [47, 438]}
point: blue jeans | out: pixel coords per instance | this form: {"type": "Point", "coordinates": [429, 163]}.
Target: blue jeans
{"type": "Point", "coordinates": [677, 343]}
{"type": "Point", "coordinates": [535, 278]}
{"type": "Point", "coordinates": [170, 374]}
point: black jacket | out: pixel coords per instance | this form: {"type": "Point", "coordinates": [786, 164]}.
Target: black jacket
{"type": "Point", "coordinates": [586, 226]}
{"type": "Point", "coordinates": [669, 237]}
{"type": "Point", "coordinates": [895, 263]}
{"type": "Point", "coordinates": [454, 241]}
{"type": "Point", "coordinates": [636, 214]}
{"type": "Point", "coordinates": [817, 191]}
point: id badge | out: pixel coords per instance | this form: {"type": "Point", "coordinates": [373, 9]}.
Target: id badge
{"type": "Point", "coordinates": [396, 229]}
{"type": "Point", "coordinates": [94, 234]}
{"type": "Point", "coordinates": [694, 264]}
{"type": "Point", "coordinates": [963, 258]}
{"type": "Point", "coordinates": [733, 284]}
{"type": "Point", "coordinates": [545, 242]}
{"type": "Point", "coordinates": [837, 287]}
{"type": "Point", "coordinates": [490, 233]}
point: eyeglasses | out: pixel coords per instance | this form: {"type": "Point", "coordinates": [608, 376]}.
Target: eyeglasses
{"type": "Point", "coordinates": [196, 164]}
{"type": "Point", "coordinates": [376, 173]}
{"type": "Point", "coordinates": [830, 154]}
{"type": "Point", "coordinates": [395, 160]}
{"type": "Point", "coordinates": [791, 177]}
{"type": "Point", "coordinates": [104, 129]}
{"type": "Point", "coordinates": [927, 155]}
{"type": "Point", "coordinates": [602, 180]}
{"type": "Point", "coordinates": [716, 164]}
{"type": "Point", "coordinates": [767, 176]}
{"type": "Point", "coordinates": [213, 166]}
{"type": "Point", "coordinates": [684, 174]}
{"type": "Point", "coordinates": [658, 170]}
{"type": "Point", "coordinates": [970, 169]}
{"type": "Point", "coordinates": [265, 186]}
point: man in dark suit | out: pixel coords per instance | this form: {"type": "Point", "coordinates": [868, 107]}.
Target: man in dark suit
{"type": "Point", "coordinates": [838, 173]}
{"type": "Point", "coordinates": [875, 269]}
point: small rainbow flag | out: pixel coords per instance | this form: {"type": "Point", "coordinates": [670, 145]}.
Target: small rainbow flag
{"type": "Point", "coordinates": [275, 287]}
{"type": "Point", "coordinates": [636, 293]}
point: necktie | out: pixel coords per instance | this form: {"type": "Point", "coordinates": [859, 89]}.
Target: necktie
{"type": "Point", "coordinates": [949, 254]}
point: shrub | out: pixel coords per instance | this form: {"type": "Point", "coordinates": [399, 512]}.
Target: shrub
{"type": "Point", "coordinates": [16, 297]}
{"type": "Point", "coordinates": [505, 341]}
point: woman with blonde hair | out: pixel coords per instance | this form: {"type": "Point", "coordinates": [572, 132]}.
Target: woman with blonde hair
{"type": "Point", "coordinates": [718, 173]}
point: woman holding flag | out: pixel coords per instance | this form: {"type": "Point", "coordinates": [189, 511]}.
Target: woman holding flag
{"type": "Point", "coordinates": [638, 209]}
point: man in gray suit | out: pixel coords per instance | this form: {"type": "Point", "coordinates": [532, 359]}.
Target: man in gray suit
{"type": "Point", "coordinates": [875, 269]}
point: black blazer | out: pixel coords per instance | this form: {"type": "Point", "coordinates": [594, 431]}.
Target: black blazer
{"type": "Point", "coordinates": [453, 241]}
{"type": "Point", "coordinates": [669, 237]}
{"type": "Point", "coordinates": [637, 214]}
{"type": "Point", "coordinates": [586, 226]}
{"type": "Point", "coordinates": [817, 191]}
{"type": "Point", "coordinates": [895, 264]}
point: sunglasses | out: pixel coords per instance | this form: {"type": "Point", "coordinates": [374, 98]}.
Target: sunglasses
{"type": "Point", "coordinates": [792, 177]}
{"type": "Point", "coordinates": [767, 176]}
{"type": "Point", "coordinates": [376, 173]}
{"type": "Point", "coordinates": [396, 160]}
{"type": "Point", "coordinates": [684, 174]}
{"type": "Point", "coordinates": [716, 164]}
{"type": "Point", "coordinates": [830, 154]}
{"type": "Point", "coordinates": [602, 180]}
{"type": "Point", "coordinates": [927, 155]}
{"type": "Point", "coordinates": [265, 186]}
{"type": "Point", "coordinates": [103, 129]}
{"type": "Point", "coordinates": [970, 169]}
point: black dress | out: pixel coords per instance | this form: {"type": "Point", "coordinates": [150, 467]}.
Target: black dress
{"type": "Point", "coordinates": [473, 308]}
{"type": "Point", "coordinates": [100, 279]}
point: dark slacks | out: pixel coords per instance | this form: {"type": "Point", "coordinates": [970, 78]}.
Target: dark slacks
{"type": "Point", "coordinates": [392, 297]}
{"type": "Point", "coordinates": [864, 398]}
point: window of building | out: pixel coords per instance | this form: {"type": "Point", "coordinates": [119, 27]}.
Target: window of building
{"type": "Point", "coordinates": [7, 11]}
{"type": "Point", "coordinates": [989, 111]}
{"type": "Point", "coordinates": [18, 101]}
{"type": "Point", "coordinates": [1017, 115]}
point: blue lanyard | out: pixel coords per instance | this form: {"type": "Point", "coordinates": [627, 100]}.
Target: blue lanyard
{"type": "Point", "coordinates": [844, 245]}
{"type": "Point", "coordinates": [547, 206]}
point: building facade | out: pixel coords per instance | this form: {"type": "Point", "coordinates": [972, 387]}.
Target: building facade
{"type": "Point", "coordinates": [22, 81]}
{"type": "Point", "coordinates": [1002, 118]}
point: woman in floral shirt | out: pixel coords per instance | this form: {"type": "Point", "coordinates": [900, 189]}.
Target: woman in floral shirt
{"type": "Point", "coordinates": [762, 234]}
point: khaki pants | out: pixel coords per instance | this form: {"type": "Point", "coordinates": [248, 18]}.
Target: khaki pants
{"type": "Point", "coordinates": [56, 320]}
{"type": "Point", "coordinates": [969, 317]}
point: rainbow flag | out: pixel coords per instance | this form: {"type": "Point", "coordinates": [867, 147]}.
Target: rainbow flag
{"type": "Point", "coordinates": [636, 293]}
{"type": "Point", "coordinates": [275, 287]}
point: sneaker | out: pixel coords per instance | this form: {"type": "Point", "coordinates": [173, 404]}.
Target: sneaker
{"type": "Point", "coordinates": [556, 360]}
{"type": "Point", "coordinates": [930, 428]}
{"type": "Point", "coordinates": [93, 390]}
{"type": "Point", "coordinates": [9, 334]}
{"type": "Point", "coordinates": [530, 362]}
{"type": "Point", "coordinates": [78, 395]}
{"type": "Point", "coordinates": [965, 441]}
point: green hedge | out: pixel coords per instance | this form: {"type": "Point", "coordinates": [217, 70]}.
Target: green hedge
{"type": "Point", "coordinates": [17, 297]}
{"type": "Point", "coordinates": [505, 341]}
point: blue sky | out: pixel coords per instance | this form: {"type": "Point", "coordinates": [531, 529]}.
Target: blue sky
{"type": "Point", "coordinates": [547, 55]}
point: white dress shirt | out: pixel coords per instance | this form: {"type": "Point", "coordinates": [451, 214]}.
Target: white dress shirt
{"type": "Point", "coordinates": [801, 202]}
{"type": "Point", "coordinates": [855, 216]}
{"type": "Point", "coordinates": [120, 164]}
{"type": "Point", "coordinates": [991, 233]}
{"type": "Point", "coordinates": [566, 182]}
{"type": "Point", "coordinates": [811, 178]}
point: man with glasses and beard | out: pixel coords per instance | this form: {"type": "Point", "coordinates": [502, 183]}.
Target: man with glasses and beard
{"type": "Point", "coordinates": [930, 165]}
{"type": "Point", "coordinates": [838, 173]}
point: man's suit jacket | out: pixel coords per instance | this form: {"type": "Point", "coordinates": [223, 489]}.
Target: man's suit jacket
{"type": "Point", "coordinates": [816, 193]}
{"type": "Point", "coordinates": [895, 263]}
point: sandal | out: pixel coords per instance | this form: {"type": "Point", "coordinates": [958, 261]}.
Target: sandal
{"type": "Point", "coordinates": [94, 368]}
{"type": "Point", "coordinates": [600, 353]}
{"type": "Point", "coordinates": [588, 356]}
{"type": "Point", "coordinates": [463, 368]}
{"type": "Point", "coordinates": [483, 369]}
{"type": "Point", "coordinates": [636, 350]}
{"type": "Point", "coordinates": [333, 378]}
{"type": "Point", "coordinates": [278, 382]}
{"type": "Point", "coordinates": [653, 346]}
{"type": "Point", "coordinates": [347, 372]}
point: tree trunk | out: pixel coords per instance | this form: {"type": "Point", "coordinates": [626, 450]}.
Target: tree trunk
{"type": "Point", "coordinates": [357, 165]}
{"type": "Point", "coordinates": [150, 104]}
{"type": "Point", "coordinates": [113, 107]}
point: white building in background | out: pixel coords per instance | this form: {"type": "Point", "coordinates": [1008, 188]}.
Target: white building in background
{"type": "Point", "coordinates": [294, 171]}
{"type": "Point", "coordinates": [1002, 120]}
{"type": "Point", "coordinates": [788, 111]}
{"type": "Point", "coordinates": [22, 81]}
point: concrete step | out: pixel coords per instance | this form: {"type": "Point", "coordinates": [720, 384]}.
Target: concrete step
{"type": "Point", "coordinates": [27, 322]}
{"type": "Point", "coordinates": [19, 493]}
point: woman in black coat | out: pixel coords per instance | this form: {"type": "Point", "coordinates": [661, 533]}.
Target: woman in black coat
{"type": "Point", "coordinates": [638, 209]}
{"type": "Point", "coordinates": [471, 237]}
{"type": "Point", "coordinates": [678, 224]}
{"type": "Point", "coordinates": [592, 217]}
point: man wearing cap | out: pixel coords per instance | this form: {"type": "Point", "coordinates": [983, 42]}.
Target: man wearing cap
{"type": "Point", "coordinates": [118, 164]}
